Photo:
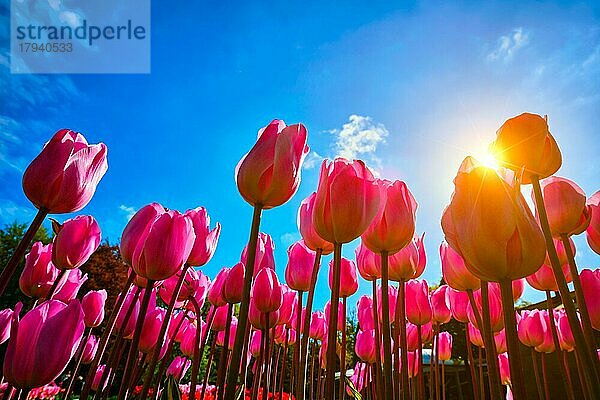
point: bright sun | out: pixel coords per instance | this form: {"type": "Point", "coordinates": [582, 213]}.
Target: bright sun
{"type": "Point", "coordinates": [486, 158]}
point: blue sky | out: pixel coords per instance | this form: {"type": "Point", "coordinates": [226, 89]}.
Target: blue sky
{"type": "Point", "coordinates": [411, 90]}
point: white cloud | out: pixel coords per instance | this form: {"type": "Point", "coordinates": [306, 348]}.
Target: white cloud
{"type": "Point", "coordinates": [289, 238]}
{"type": "Point", "coordinates": [129, 211]}
{"type": "Point", "coordinates": [508, 45]}
{"type": "Point", "coordinates": [312, 160]}
{"type": "Point", "coordinates": [71, 18]}
{"type": "Point", "coordinates": [358, 137]}
{"type": "Point", "coordinates": [55, 4]}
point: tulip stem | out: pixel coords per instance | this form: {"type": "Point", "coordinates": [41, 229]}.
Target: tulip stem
{"type": "Point", "coordinates": [283, 361]}
{"type": "Point", "coordinates": [236, 355]}
{"type": "Point", "coordinates": [401, 305]}
{"type": "Point", "coordinates": [545, 377]}
{"type": "Point", "coordinates": [387, 340]}
{"type": "Point", "coordinates": [77, 358]}
{"type": "Point", "coordinates": [163, 331]}
{"type": "Point", "coordinates": [536, 372]}
{"type": "Point", "coordinates": [105, 336]}
{"type": "Point", "coordinates": [490, 345]}
{"type": "Point", "coordinates": [302, 368]}
{"type": "Point", "coordinates": [297, 388]}
{"type": "Point", "coordinates": [266, 358]}
{"type": "Point", "coordinates": [420, 371]}
{"type": "Point", "coordinates": [471, 361]}
{"type": "Point", "coordinates": [224, 353]}
{"type": "Point", "coordinates": [208, 365]}
{"type": "Point", "coordinates": [376, 369]}
{"type": "Point", "coordinates": [342, 387]}
{"type": "Point", "coordinates": [583, 309]}
{"type": "Point", "coordinates": [512, 340]}
{"type": "Point", "coordinates": [333, 319]}
{"type": "Point", "coordinates": [554, 332]}
{"type": "Point", "coordinates": [17, 256]}
{"type": "Point", "coordinates": [163, 364]}
{"type": "Point", "coordinates": [196, 355]}
{"type": "Point", "coordinates": [133, 350]}
{"type": "Point", "coordinates": [587, 359]}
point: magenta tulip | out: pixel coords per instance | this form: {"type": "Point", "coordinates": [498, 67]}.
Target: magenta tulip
{"type": "Point", "coordinates": [590, 283]}
{"type": "Point", "coordinates": [459, 305]}
{"type": "Point", "coordinates": [341, 322]}
{"type": "Point", "coordinates": [439, 305]}
{"type": "Point", "coordinates": [365, 346]}
{"type": "Point", "coordinates": [531, 328]}
{"type": "Point", "coordinates": [150, 329]}
{"type": "Point", "coordinates": [311, 238]}
{"type": "Point", "coordinates": [164, 246]}
{"type": "Point", "coordinates": [178, 367]}
{"type": "Point", "coordinates": [234, 283]}
{"type": "Point", "coordinates": [42, 343]}
{"type": "Point", "coordinates": [444, 349]}
{"type": "Point", "coordinates": [136, 227]}
{"type": "Point", "coordinates": [220, 318]}
{"type": "Point", "coordinates": [348, 277]}
{"type": "Point", "coordinates": [93, 307]}
{"type": "Point", "coordinates": [266, 291]}
{"type": "Point", "coordinates": [70, 286]}
{"type": "Point", "coordinates": [418, 306]}
{"type": "Point", "coordinates": [288, 305]}
{"type": "Point", "coordinates": [75, 242]}
{"type": "Point", "coordinates": [39, 273]}
{"type": "Point", "coordinates": [98, 378]}
{"type": "Point", "coordinates": [206, 239]}
{"type": "Point", "coordinates": [269, 174]}
{"type": "Point", "coordinates": [408, 263]}
{"type": "Point", "coordinates": [64, 176]}
{"type": "Point", "coordinates": [255, 344]}
{"type": "Point", "coordinates": [215, 292]}
{"type": "Point", "coordinates": [318, 326]}
{"type": "Point", "coordinates": [6, 317]}
{"type": "Point", "coordinates": [364, 313]}
{"type": "Point", "coordinates": [264, 253]}
{"type": "Point", "coordinates": [89, 350]}
{"type": "Point", "coordinates": [127, 326]}
{"type": "Point", "coordinates": [565, 334]}
{"type": "Point", "coordinates": [504, 368]}
{"type": "Point", "coordinates": [299, 269]}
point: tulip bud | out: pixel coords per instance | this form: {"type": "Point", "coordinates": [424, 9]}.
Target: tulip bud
{"type": "Point", "coordinates": [64, 176]}
{"type": "Point", "coordinates": [593, 230]}
{"type": "Point", "coordinates": [459, 304]}
{"type": "Point", "coordinates": [318, 326]}
{"type": "Point", "coordinates": [264, 253]}
{"type": "Point", "coordinates": [524, 144]}
{"type": "Point", "coordinates": [70, 286]}
{"type": "Point", "coordinates": [566, 206]}
{"type": "Point", "coordinates": [492, 226]}
{"type": "Point", "coordinates": [93, 307]}
{"type": "Point", "coordinates": [365, 346]}
{"type": "Point", "coordinates": [408, 263]}
{"type": "Point", "coordinates": [364, 313]}
{"type": "Point", "coordinates": [215, 292]}
{"type": "Point", "coordinates": [42, 343]}
{"type": "Point", "coordinates": [6, 316]}
{"type": "Point", "coordinates": [455, 272]}
{"type": "Point", "coordinates": [341, 322]}
{"type": "Point", "coordinates": [258, 319]}
{"type": "Point", "coordinates": [89, 350]}
{"type": "Point", "coordinates": [348, 277]}
{"type": "Point", "coordinates": [220, 318]}
{"type": "Point", "coordinates": [394, 225]}
{"type": "Point", "coordinates": [439, 305]}
{"type": "Point", "coordinates": [475, 335]}
{"type": "Point", "coordinates": [590, 283]}
{"type": "Point", "coordinates": [368, 263]}
{"type": "Point", "coordinates": [299, 269]}
{"type": "Point", "coordinates": [75, 242]}
{"type": "Point", "coordinates": [311, 238]}
{"type": "Point", "coordinates": [504, 368]}
{"type": "Point", "coordinates": [347, 200]}
{"type": "Point", "coordinates": [530, 328]}
{"type": "Point", "coordinates": [547, 346]}
{"type": "Point", "coordinates": [266, 292]}
{"type": "Point", "coordinates": [269, 174]}
{"type": "Point", "coordinates": [164, 247]}
{"type": "Point", "coordinates": [495, 307]}
{"type": "Point", "coordinates": [234, 284]}
{"type": "Point", "coordinates": [206, 240]}
{"type": "Point", "coordinates": [565, 334]}
{"type": "Point", "coordinates": [128, 325]}
{"type": "Point", "coordinates": [288, 305]}
{"type": "Point", "coordinates": [255, 344]}
{"type": "Point", "coordinates": [98, 377]}
{"type": "Point", "coordinates": [178, 367]}
{"type": "Point", "coordinates": [39, 273]}
{"type": "Point", "coordinates": [150, 329]}
{"type": "Point", "coordinates": [418, 307]}
{"type": "Point", "coordinates": [444, 349]}
{"type": "Point", "coordinates": [136, 227]}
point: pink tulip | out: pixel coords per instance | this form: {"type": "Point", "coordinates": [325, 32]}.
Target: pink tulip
{"type": "Point", "coordinates": [188, 341]}
{"type": "Point", "coordinates": [518, 286]}
{"type": "Point", "coordinates": [266, 292]}
{"type": "Point", "coordinates": [368, 263]}
{"type": "Point", "coordinates": [299, 269]}
{"type": "Point", "coordinates": [164, 246]}
{"type": "Point", "coordinates": [565, 334]}
{"type": "Point", "coordinates": [543, 279]}
{"type": "Point", "coordinates": [365, 346]}
{"type": "Point", "coordinates": [215, 292]}
{"type": "Point", "coordinates": [174, 322]}
{"type": "Point", "coordinates": [70, 285]}
{"type": "Point", "coordinates": [412, 337]}
{"type": "Point", "coordinates": [234, 284]}
{"type": "Point", "coordinates": [151, 328]}
{"type": "Point", "coordinates": [427, 332]}
{"type": "Point", "coordinates": [439, 305]}
{"type": "Point", "coordinates": [39, 273]}
{"type": "Point", "coordinates": [136, 227]}
{"type": "Point", "coordinates": [492, 226]}
{"type": "Point", "coordinates": [199, 285]}
{"type": "Point", "coordinates": [42, 343]}
{"type": "Point", "coordinates": [220, 318]}
{"type": "Point", "coordinates": [547, 346]}
{"type": "Point", "coordinates": [221, 335]}
{"type": "Point", "coordinates": [89, 350]}
{"type": "Point", "coordinates": [128, 326]}
{"type": "Point", "coordinates": [504, 368]}
{"type": "Point", "coordinates": [347, 200]}
{"type": "Point", "coordinates": [566, 206]}
{"type": "Point", "coordinates": [475, 335]}
{"type": "Point", "coordinates": [98, 377]}
{"type": "Point", "coordinates": [269, 174]}
{"type": "Point", "coordinates": [311, 238]}
{"type": "Point", "coordinates": [392, 296]}
{"type": "Point", "coordinates": [459, 305]}
{"type": "Point", "coordinates": [318, 326]}
{"type": "Point", "coordinates": [495, 306]}
{"type": "Point", "coordinates": [394, 225]}
{"type": "Point", "coordinates": [258, 319]}
{"type": "Point", "coordinates": [348, 277]}
{"type": "Point", "coordinates": [6, 317]}
{"type": "Point", "coordinates": [593, 230]}
{"type": "Point", "coordinates": [408, 263]}
{"type": "Point", "coordinates": [288, 306]}
{"type": "Point", "coordinates": [264, 253]}
{"type": "Point", "coordinates": [206, 239]}
{"type": "Point", "coordinates": [500, 342]}
{"type": "Point", "coordinates": [64, 176]}
{"type": "Point", "coordinates": [182, 332]}
{"type": "Point", "coordinates": [178, 367]}
{"type": "Point", "coordinates": [75, 242]}
{"type": "Point", "coordinates": [188, 288]}
{"type": "Point", "coordinates": [341, 322]}
{"type": "Point", "coordinates": [444, 350]}
{"type": "Point", "coordinates": [455, 272]}
{"type": "Point", "coordinates": [93, 307]}
{"type": "Point", "coordinates": [418, 307]}
{"type": "Point", "coordinates": [531, 328]}
{"type": "Point", "coordinates": [590, 283]}
{"type": "Point", "coordinates": [255, 344]}
{"type": "Point", "coordinates": [364, 313]}
{"type": "Point", "coordinates": [413, 364]}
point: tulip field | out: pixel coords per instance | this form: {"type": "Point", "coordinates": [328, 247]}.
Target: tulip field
{"type": "Point", "coordinates": [171, 331]}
